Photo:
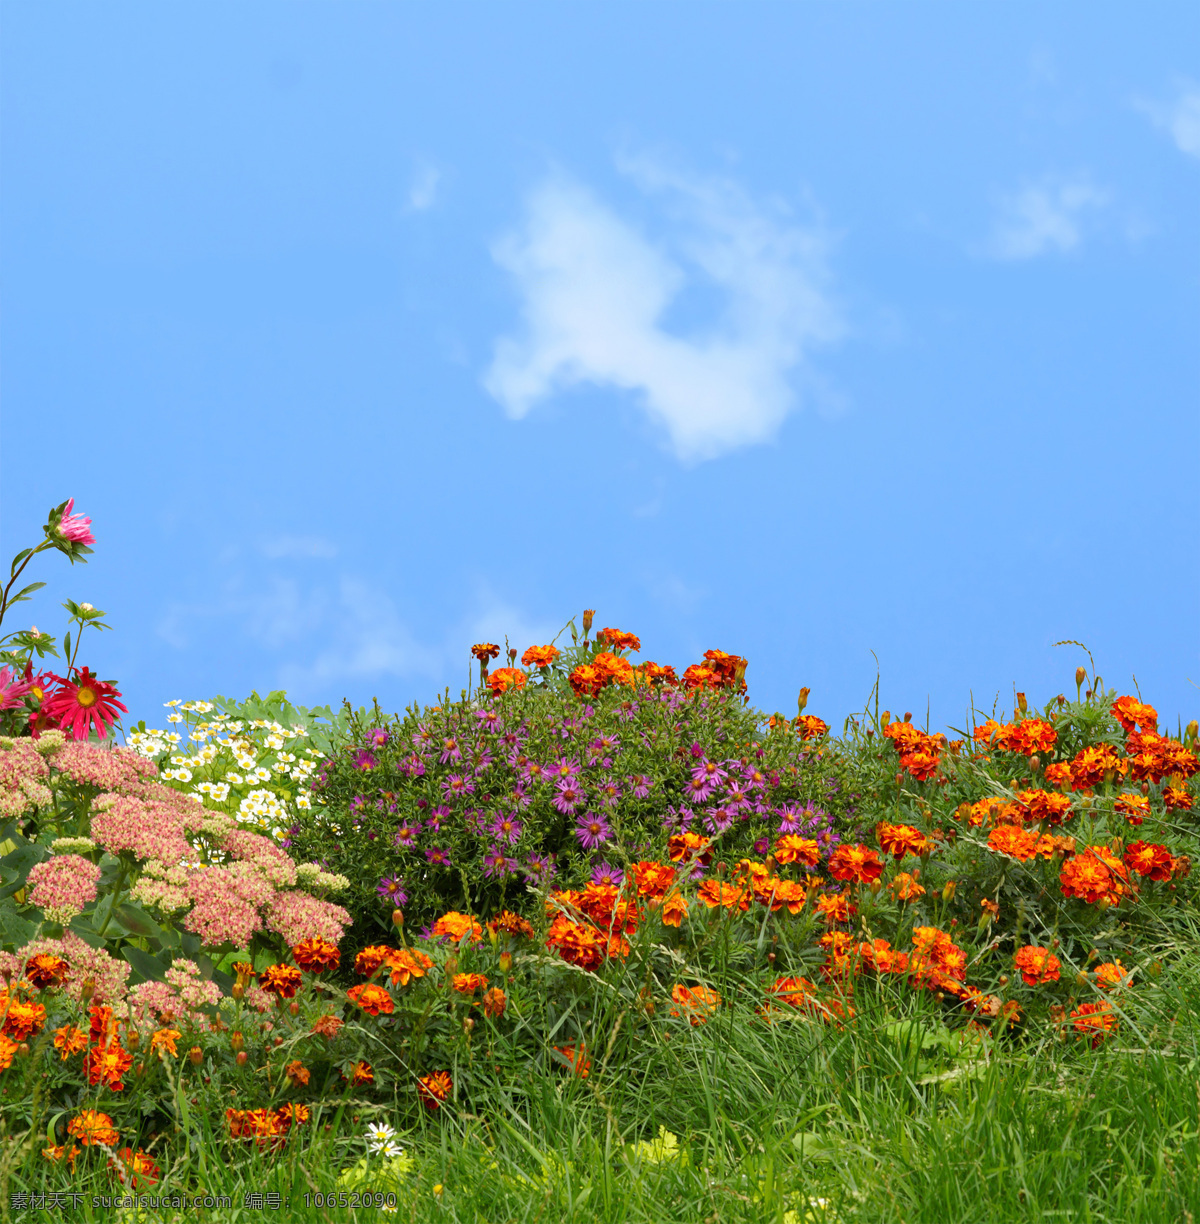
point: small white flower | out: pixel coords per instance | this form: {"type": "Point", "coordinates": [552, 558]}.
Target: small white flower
{"type": "Point", "coordinates": [175, 718]}
{"type": "Point", "coordinates": [261, 775]}
{"type": "Point", "coordinates": [381, 1133]}
{"type": "Point", "coordinates": [235, 778]}
{"type": "Point", "coordinates": [303, 802]}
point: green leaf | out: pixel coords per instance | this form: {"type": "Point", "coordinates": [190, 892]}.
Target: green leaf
{"type": "Point", "coordinates": [151, 968]}
{"type": "Point", "coordinates": [136, 920]}
{"type": "Point", "coordinates": [25, 592]}
{"type": "Point", "coordinates": [15, 929]}
{"type": "Point", "coordinates": [67, 645]}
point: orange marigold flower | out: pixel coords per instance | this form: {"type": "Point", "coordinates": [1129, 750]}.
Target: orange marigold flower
{"type": "Point", "coordinates": [795, 991]}
{"type": "Point", "coordinates": [405, 964]}
{"type": "Point", "coordinates": [468, 983]}
{"type": "Point", "coordinates": [1017, 843]}
{"type": "Point", "coordinates": [698, 676]}
{"type": "Point", "coordinates": [577, 943]}
{"type": "Point", "coordinates": [298, 1073]}
{"type": "Point", "coordinates": [1094, 1020]}
{"type": "Point", "coordinates": [316, 955]}
{"type": "Point", "coordinates": [107, 1065]}
{"type": "Point", "coordinates": [370, 958]}
{"type": "Point", "coordinates": [657, 673]}
{"type": "Point", "coordinates": [508, 923]}
{"type": "Point", "coordinates": [835, 907]}
{"type": "Point", "coordinates": [683, 847]}
{"type": "Point", "coordinates": [24, 1018]}
{"type": "Point", "coordinates": [855, 863]}
{"type": "Point", "coordinates": [292, 1113]}
{"type": "Point", "coordinates": [811, 727]}
{"type": "Point", "coordinates": [619, 640]}
{"type": "Point", "coordinates": [434, 1088]}
{"type": "Point", "coordinates": [280, 980]}
{"type": "Point", "coordinates": [586, 681]}
{"type": "Point", "coordinates": [882, 957]}
{"type": "Point", "coordinates": [360, 1073]}
{"type": "Point", "coordinates": [60, 1152]}
{"type": "Point", "coordinates": [1091, 764]}
{"type": "Point", "coordinates": [901, 839]}
{"type": "Point", "coordinates": [374, 1000]}
{"type": "Point", "coordinates": [504, 678]}
{"type": "Point", "coordinates": [7, 1049]}
{"type": "Point", "coordinates": [1135, 808]}
{"type": "Point", "coordinates": [904, 887]}
{"type": "Point", "coordinates": [103, 1028]}
{"type": "Point", "coordinates": [613, 668]}
{"type": "Point", "coordinates": [1045, 806]}
{"type": "Point", "coordinates": [46, 970]}
{"type": "Point", "coordinates": [792, 848]}
{"type": "Point", "coordinates": [165, 1039]}
{"type": "Point", "coordinates": [484, 651]}
{"type": "Point", "coordinates": [1029, 736]}
{"type": "Point", "coordinates": [70, 1040]}
{"type": "Point", "coordinates": [1113, 974]}
{"type": "Point", "coordinates": [695, 1002]}
{"type": "Point", "coordinates": [539, 656]}
{"type": "Point", "coordinates": [327, 1026]}
{"type": "Point", "coordinates": [1177, 799]}
{"type": "Point", "coordinates": [138, 1168]}
{"type": "Point", "coordinates": [652, 879]}
{"type": "Point", "coordinates": [457, 926]}
{"type": "Point", "coordinates": [495, 1001]}
{"type": "Point", "coordinates": [576, 1058]}
{"type": "Point", "coordinates": [1095, 875]}
{"type": "Point", "coordinates": [674, 910]}
{"type": "Point", "coordinates": [1037, 965]}
{"type": "Point", "coordinates": [1059, 774]}
{"type": "Point", "coordinates": [1130, 712]}
{"type": "Point", "coordinates": [1150, 860]}
{"type": "Point", "coordinates": [90, 1126]}
{"type": "Point", "coordinates": [728, 896]}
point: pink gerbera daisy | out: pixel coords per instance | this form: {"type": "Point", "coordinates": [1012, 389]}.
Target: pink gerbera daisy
{"type": "Point", "coordinates": [84, 705]}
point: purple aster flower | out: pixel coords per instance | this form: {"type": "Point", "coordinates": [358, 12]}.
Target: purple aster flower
{"type": "Point", "coordinates": [358, 803]}
{"type": "Point", "coordinates": [457, 784]}
{"type": "Point", "coordinates": [718, 820]}
{"type": "Point", "coordinates": [641, 786]}
{"type": "Point", "coordinates": [390, 891]}
{"type": "Point", "coordinates": [437, 815]}
{"type": "Point", "coordinates": [607, 874]}
{"type": "Point", "coordinates": [569, 798]}
{"type": "Point", "coordinates": [406, 835]}
{"type": "Point", "coordinates": [760, 847]}
{"type": "Point", "coordinates": [627, 711]}
{"type": "Point", "coordinates": [756, 779]}
{"type": "Point", "coordinates": [592, 831]}
{"type": "Point", "coordinates": [564, 769]}
{"type": "Point", "coordinates": [699, 787]}
{"type": "Point", "coordinates": [535, 772]}
{"type": "Point", "coordinates": [497, 864]}
{"type": "Point", "coordinates": [739, 797]}
{"type": "Point", "coordinates": [364, 758]}
{"type": "Point", "coordinates": [423, 738]}
{"type": "Point", "coordinates": [696, 751]}
{"type": "Point", "coordinates": [489, 720]}
{"type": "Point", "coordinates": [483, 761]}
{"type": "Point", "coordinates": [506, 828]}
{"type": "Point", "coordinates": [609, 792]}
{"type": "Point", "coordinates": [789, 818]}
{"type": "Point", "coordinates": [437, 858]}
{"type": "Point", "coordinates": [541, 868]}
{"type": "Point", "coordinates": [450, 750]}
{"type": "Point", "coordinates": [609, 743]}
{"type": "Point", "coordinates": [517, 796]}
{"type": "Point", "coordinates": [378, 737]}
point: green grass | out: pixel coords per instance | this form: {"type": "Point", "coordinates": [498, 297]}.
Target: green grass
{"type": "Point", "coordinates": [890, 1118]}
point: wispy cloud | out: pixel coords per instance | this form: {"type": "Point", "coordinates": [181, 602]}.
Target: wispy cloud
{"type": "Point", "coordinates": [1044, 218]}
{"type": "Point", "coordinates": [595, 291]}
{"type": "Point", "coordinates": [276, 547]}
{"type": "Point", "coordinates": [1180, 117]}
{"type": "Point", "coordinates": [422, 191]}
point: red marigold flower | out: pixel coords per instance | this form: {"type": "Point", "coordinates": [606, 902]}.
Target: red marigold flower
{"type": "Point", "coordinates": [619, 640]}
{"type": "Point", "coordinates": [576, 1058]}
{"type": "Point", "coordinates": [457, 926]}
{"type": "Point", "coordinates": [539, 656]}
{"type": "Point", "coordinates": [137, 1168]}
{"type": "Point", "coordinates": [90, 1126]}
{"type": "Point", "coordinates": [1037, 965]}
{"type": "Point", "coordinates": [107, 1065]}
{"type": "Point", "coordinates": [374, 1000]}
{"type": "Point", "coordinates": [683, 847]}
{"type": "Point", "coordinates": [504, 678]}
{"type": "Point", "coordinates": [792, 848]}
{"type": "Point", "coordinates": [280, 980]}
{"type": "Point", "coordinates": [1029, 736]}
{"type": "Point", "coordinates": [70, 1040]}
{"type": "Point", "coordinates": [327, 1026]}
{"type": "Point", "coordinates": [24, 1017]}
{"type": "Point", "coordinates": [1135, 808]}
{"type": "Point", "coordinates": [434, 1088]}
{"type": "Point", "coordinates": [1018, 843]}
{"type": "Point", "coordinates": [1059, 774]}
{"type": "Point", "coordinates": [921, 765]}
{"type": "Point", "coordinates": [1090, 765]}
{"type": "Point", "coordinates": [484, 651]}
{"type": "Point", "coordinates": [1094, 1020]}
{"type": "Point", "coordinates": [1150, 860]}
{"type": "Point", "coordinates": [1112, 975]}
{"type": "Point", "coordinates": [406, 964]}
{"type": "Point", "coordinates": [795, 991]}
{"type": "Point", "coordinates": [297, 1073]}
{"type": "Point", "coordinates": [904, 887]}
{"type": "Point", "coordinates": [1095, 875]}
{"type": "Point", "coordinates": [901, 839]}
{"type": "Point", "coordinates": [508, 923]}
{"type": "Point", "coordinates": [360, 1073]}
{"type": "Point", "coordinates": [855, 863]}
{"type": "Point", "coordinates": [1130, 712]}
{"type": "Point", "coordinates": [494, 1003]}
{"type": "Point", "coordinates": [83, 705]}
{"type": "Point", "coordinates": [468, 983]}
{"type": "Point", "coordinates": [698, 1003]}
{"type": "Point", "coordinates": [46, 970]}
{"type": "Point", "coordinates": [1177, 799]}
{"type": "Point", "coordinates": [811, 727]}
{"type": "Point", "coordinates": [1045, 806]}
{"type": "Point", "coordinates": [700, 677]}
{"type": "Point", "coordinates": [316, 955]}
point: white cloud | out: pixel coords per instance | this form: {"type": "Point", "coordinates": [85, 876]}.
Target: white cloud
{"type": "Point", "coordinates": [1180, 118]}
{"type": "Point", "coordinates": [422, 191]}
{"type": "Point", "coordinates": [595, 290]}
{"type": "Point", "coordinates": [298, 546]}
{"type": "Point", "coordinates": [1044, 217]}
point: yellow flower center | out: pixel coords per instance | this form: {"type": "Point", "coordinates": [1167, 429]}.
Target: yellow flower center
{"type": "Point", "coordinates": [87, 697]}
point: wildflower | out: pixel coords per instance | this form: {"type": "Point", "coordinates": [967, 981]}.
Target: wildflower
{"type": "Point", "coordinates": [457, 926]}
{"type": "Point", "coordinates": [1037, 965]}
{"type": "Point", "coordinates": [8, 1048]}
{"type": "Point", "coordinates": [698, 1003]}
{"type": "Point", "coordinates": [137, 1168]}
{"type": "Point", "coordinates": [539, 656]}
{"type": "Point", "coordinates": [468, 983]}
{"type": "Point", "coordinates": [297, 1073]}
{"type": "Point", "coordinates": [795, 991]}
{"type": "Point", "coordinates": [62, 885]}
{"type": "Point", "coordinates": [316, 955]}
{"type": "Point", "coordinates": [280, 980]}
{"type": "Point", "coordinates": [70, 1040]}
{"type": "Point", "coordinates": [24, 1017]}
{"type": "Point", "coordinates": [74, 528]}
{"type": "Point", "coordinates": [374, 1000]}
{"type": "Point", "coordinates": [437, 858]}
{"type": "Point", "coordinates": [364, 759]}
{"type": "Point", "coordinates": [497, 864]}
{"type": "Point", "coordinates": [1129, 713]}
{"type": "Point", "coordinates": [508, 923]}
{"type": "Point", "coordinates": [900, 839]}
{"type": "Point", "coordinates": [107, 1065]}
{"type": "Point", "coordinates": [379, 1136]}
{"type": "Point", "coordinates": [506, 828]}
{"type": "Point", "coordinates": [90, 1126]}
{"type": "Point", "coordinates": [811, 727]}
{"type": "Point", "coordinates": [592, 831]}
{"type": "Point", "coordinates": [1113, 974]}
{"type": "Point", "coordinates": [57, 1153]}
{"type": "Point", "coordinates": [1094, 1020]}
{"type": "Point", "coordinates": [606, 875]}
{"type": "Point", "coordinates": [484, 651]}
{"type": "Point", "coordinates": [360, 1073]}
{"type": "Point", "coordinates": [1152, 861]}
{"type": "Point", "coordinates": [1045, 807]}
{"type": "Point", "coordinates": [904, 887]}
{"type": "Point", "coordinates": [391, 892]}
{"type": "Point", "coordinates": [434, 1088]}
{"type": "Point", "coordinates": [1095, 875]}
{"type": "Point", "coordinates": [619, 640]}
{"type": "Point", "coordinates": [45, 970]}
{"type": "Point", "coordinates": [495, 1001]}
{"type": "Point", "coordinates": [1017, 843]}
{"type": "Point", "coordinates": [576, 1058]}
{"type": "Point", "coordinates": [586, 681]}
{"type": "Point", "coordinates": [791, 848]}
{"type": "Point", "coordinates": [327, 1026]}
{"type": "Point", "coordinates": [855, 863]}
{"type": "Point", "coordinates": [165, 1039]}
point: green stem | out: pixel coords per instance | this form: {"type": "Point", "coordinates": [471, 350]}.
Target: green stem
{"type": "Point", "coordinates": [16, 573]}
{"type": "Point", "coordinates": [113, 904]}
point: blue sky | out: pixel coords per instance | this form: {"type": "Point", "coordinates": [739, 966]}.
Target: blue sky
{"type": "Point", "coordinates": [364, 332]}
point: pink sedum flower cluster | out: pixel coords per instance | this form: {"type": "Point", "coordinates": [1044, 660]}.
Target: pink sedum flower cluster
{"type": "Point", "coordinates": [88, 968]}
{"type": "Point", "coordinates": [154, 827]}
{"type": "Point", "coordinates": [115, 769]}
{"type": "Point", "coordinates": [61, 886]}
{"type": "Point", "coordinates": [298, 916]}
{"type": "Point", "coordinates": [23, 778]}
